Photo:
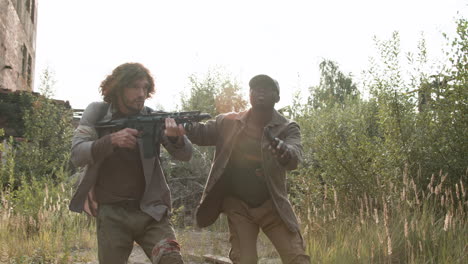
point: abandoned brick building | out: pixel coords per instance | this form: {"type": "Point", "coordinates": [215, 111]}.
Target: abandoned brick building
{"type": "Point", "coordinates": [18, 23]}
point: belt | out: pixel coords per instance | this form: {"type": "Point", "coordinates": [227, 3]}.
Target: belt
{"type": "Point", "coordinates": [133, 204]}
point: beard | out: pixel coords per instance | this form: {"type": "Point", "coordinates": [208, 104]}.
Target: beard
{"type": "Point", "coordinates": [133, 106]}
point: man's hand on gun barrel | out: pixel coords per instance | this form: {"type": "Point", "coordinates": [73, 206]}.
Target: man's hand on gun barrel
{"type": "Point", "coordinates": [172, 129]}
{"type": "Point", "coordinates": [127, 137]}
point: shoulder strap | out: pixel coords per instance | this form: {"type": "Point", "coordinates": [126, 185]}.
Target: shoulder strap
{"type": "Point", "coordinates": [157, 150]}
{"type": "Point", "coordinates": [103, 110]}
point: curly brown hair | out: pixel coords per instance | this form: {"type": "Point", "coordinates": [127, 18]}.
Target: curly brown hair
{"type": "Point", "coordinates": [123, 76]}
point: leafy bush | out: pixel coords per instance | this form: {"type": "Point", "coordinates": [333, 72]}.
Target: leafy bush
{"type": "Point", "coordinates": [360, 145]}
{"type": "Point", "coordinates": [36, 192]}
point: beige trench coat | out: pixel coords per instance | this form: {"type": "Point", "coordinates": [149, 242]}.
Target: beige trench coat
{"type": "Point", "coordinates": [222, 133]}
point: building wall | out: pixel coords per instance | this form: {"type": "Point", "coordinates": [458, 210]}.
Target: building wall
{"type": "Point", "coordinates": [18, 20]}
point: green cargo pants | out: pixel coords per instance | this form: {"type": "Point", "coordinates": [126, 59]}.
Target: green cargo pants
{"type": "Point", "coordinates": [120, 225]}
{"type": "Point", "coordinates": [245, 224]}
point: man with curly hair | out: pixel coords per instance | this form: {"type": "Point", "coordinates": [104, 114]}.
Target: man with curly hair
{"type": "Point", "coordinates": [125, 191]}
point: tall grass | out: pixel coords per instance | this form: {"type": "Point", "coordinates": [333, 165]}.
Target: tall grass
{"type": "Point", "coordinates": [404, 224]}
{"type": "Point", "coordinates": [48, 234]}
{"type": "Point", "coordinates": [35, 223]}
{"type": "Point", "coordinates": [401, 224]}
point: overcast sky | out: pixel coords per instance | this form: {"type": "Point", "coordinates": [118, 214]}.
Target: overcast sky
{"type": "Point", "coordinates": [83, 41]}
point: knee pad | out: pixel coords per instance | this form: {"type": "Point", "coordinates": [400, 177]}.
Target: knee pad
{"type": "Point", "coordinates": [166, 247]}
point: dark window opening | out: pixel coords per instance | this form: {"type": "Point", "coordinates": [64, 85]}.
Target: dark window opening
{"type": "Point", "coordinates": [24, 52]}
{"type": "Point", "coordinates": [28, 5]}
{"type": "Point", "coordinates": [29, 70]}
{"type": "Point", "coordinates": [33, 9]}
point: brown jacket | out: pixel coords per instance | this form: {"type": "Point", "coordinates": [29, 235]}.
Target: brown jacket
{"type": "Point", "coordinates": [222, 133]}
{"type": "Point", "coordinates": [156, 198]}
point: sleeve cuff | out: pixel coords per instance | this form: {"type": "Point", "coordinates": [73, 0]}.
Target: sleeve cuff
{"type": "Point", "coordinates": [102, 147]}
{"type": "Point", "coordinates": [176, 142]}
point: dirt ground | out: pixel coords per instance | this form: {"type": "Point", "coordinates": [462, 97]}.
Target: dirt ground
{"type": "Point", "coordinates": [197, 244]}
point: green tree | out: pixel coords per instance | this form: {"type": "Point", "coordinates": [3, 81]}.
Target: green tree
{"type": "Point", "coordinates": [229, 98]}
{"type": "Point", "coordinates": [335, 87]}
{"type": "Point", "coordinates": [47, 134]}
{"type": "Point", "coordinates": [214, 92]}
{"type": "Point", "coordinates": [202, 94]}
{"type": "Point", "coordinates": [12, 108]}
{"type": "Point", "coordinates": [33, 170]}
{"type": "Point", "coordinates": [443, 112]}
{"type": "Point", "coordinates": [397, 128]}
{"type": "Point", "coordinates": [338, 134]}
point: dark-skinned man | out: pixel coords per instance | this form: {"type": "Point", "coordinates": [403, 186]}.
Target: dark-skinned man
{"type": "Point", "coordinates": [247, 181]}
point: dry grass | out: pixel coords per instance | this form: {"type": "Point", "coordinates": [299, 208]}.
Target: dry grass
{"type": "Point", "coordinates": [403, 225]}
{"type": "Point", "coordinates": [52, 235]}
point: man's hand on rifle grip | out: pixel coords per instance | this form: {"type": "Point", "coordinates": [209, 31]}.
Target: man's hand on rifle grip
{"type": "Point", "coordinates": [125, 138]}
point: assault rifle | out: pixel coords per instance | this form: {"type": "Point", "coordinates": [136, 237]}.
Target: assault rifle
{"type": "Point", "coordinates": [151, 126]}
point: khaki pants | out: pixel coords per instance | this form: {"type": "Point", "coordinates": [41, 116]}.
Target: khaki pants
{"type": "Point", "coordinates": [244, 224]}
{"type": "Point", "coordinates": [119, 226]}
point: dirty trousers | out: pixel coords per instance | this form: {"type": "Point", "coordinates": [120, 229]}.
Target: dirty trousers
{"type": "Point", "coordinates": [119, 226]}
{"type": "Point", "coordinates": [244, 225]}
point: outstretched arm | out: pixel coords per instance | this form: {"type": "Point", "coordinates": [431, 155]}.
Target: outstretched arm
{"type": "Point", "coordinates": [205, 134]}
{"type": "Point", "coordinates": [288, 151]}
{"type": "Point", "coordinates": [175, 141]}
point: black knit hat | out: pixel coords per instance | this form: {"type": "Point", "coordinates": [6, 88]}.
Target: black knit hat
{"type": "Point", "coordinates": [262, 78]}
